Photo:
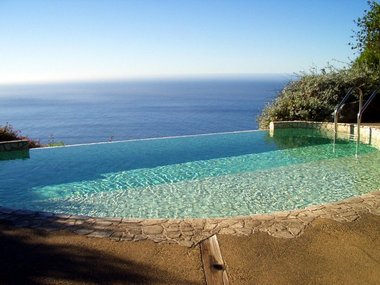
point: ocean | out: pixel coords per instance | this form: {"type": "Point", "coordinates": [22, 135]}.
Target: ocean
{"type": "Point", "coordinates": [103, 111]}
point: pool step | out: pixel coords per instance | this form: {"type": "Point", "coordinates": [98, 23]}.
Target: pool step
{"type": "Point", "coordinates": [213, 264]}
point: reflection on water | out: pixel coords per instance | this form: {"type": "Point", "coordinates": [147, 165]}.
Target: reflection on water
{"type": "Point", "coordinates": [15, 154]}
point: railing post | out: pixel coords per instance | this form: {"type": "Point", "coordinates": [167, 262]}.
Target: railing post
{"type": "Point", "coordinates": [359, 118]}
{"type": "Point", "coordinates": [362, 110]}
{"type": "Point", "coordinates": [335, 127]}
{"type": "Point", "coordinates": [339, 106]}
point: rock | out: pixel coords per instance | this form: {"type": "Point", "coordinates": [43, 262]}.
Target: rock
{"type": "Point", "coordinates": [189, 233]}
{"type": "Point", "coordinates": [251, 223]}
{"type": "Point", "coordinates": [282, 234]}
{"type": "Point", "coordinates": [82, 231]}
{"type": "Point", "coordinates": [153, 230]}
{"type": "Point", "coordinates": [227, 231]}
{"type": "Point", "coordinates": [150, 222]}
{"type": "Point", "coordinates": [237, 225]}
{"type": "Point", "coordinates": [102, 223]}
{"type": "Point", "coordinates": [243, 231]}
{"type": "Point", "coordinates": [295, 229]}
{"type": "Point", "coordinates": [100, 234]}
{"type": "Point", "coordinates": [127, 237]}
{"type": "Point", "coordinates": [209, 227]}
{"type": "Point", "coordinates": [186, 243]}
{"type": "Point", "coordinates": [173, 235]}
{"type": "Point", "coordinates": [117, 236]}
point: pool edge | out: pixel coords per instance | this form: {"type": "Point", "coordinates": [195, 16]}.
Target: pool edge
{"type": "Point", "coordinates": [191, 231]}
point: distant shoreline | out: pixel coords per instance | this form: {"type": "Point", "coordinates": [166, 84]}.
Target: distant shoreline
{"type": "Point", "coordinates": [222, 77]}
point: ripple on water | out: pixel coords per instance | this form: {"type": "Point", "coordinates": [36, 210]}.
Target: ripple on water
{"type": "Point", "coordinates": [242, 193]}
{"type": "Point", "coordinates": [219, 176]}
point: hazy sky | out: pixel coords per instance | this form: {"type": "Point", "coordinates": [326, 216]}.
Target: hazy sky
{"type": "Point", "coordinates": [58, 40]}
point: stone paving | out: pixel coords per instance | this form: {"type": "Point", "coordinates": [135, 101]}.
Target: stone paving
{"type": "Point", "coordinates": [189, 232]}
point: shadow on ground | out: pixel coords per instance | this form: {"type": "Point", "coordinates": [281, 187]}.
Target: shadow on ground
{"type": "Point", "coordinates": [35, 257]}
{"type": "Point", "coordinates": [328, 252]}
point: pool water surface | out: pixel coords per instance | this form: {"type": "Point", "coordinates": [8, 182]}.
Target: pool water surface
{"type": "Point", "coordinates": [215, 175]}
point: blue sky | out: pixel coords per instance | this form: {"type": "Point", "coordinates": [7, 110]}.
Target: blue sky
{"type": "Point", "coordinates": [68, 40]}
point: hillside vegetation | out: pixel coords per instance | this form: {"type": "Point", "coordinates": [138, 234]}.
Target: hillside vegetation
{"type": "Point", "coordinates": [314, 95]}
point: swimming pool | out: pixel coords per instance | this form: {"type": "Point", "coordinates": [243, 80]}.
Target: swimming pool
{"type": "Point", "coordinates": [214, 175]}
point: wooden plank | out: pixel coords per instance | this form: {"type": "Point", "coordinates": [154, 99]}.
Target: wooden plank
{"type": "Point", "coordinates": [213, 263]}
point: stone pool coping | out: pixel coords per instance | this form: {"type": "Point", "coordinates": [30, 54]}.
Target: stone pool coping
{"type": "Point", "coordinates": [191, 231]}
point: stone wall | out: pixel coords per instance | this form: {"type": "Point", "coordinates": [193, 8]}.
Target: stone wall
{"type": "Point", "coordinates": [368, 135]}
{"type": "Point", "coordinates": [14, 145]}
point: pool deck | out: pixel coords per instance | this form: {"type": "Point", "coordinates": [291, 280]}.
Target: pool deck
{"type": "Point", "coordinates": [190, 232]}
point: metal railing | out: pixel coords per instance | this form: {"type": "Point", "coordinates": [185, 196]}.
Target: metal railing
{"type": "Point", "coordinates": [361, 111]}
{"type": "Point", "coordinates": [340, 105]}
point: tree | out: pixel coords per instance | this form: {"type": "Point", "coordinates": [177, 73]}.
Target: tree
{"type": "Point", "coordinates": [367, 38]}
{"type": "Point", "coordinates": [314, 95]}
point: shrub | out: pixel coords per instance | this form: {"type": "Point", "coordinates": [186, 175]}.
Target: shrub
{"type": "Point", "coordinates": [8, 133]}
{"type": "Point", "coordinates": [314, 95]}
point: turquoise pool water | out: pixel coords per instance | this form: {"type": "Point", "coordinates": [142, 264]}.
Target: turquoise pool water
{"type": "Point", "coordinates": [214, 175]}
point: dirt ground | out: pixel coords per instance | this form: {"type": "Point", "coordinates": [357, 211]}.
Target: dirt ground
{"type": "Point", "coordinates": [327, 253]}
{"type": "Point", "coordinates": [34, 257]}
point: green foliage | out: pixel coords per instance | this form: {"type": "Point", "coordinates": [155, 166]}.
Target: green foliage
{"type": "Point", "coordinates": [54, 144]}
{"type": "Point", "coordinates": [313, 96]}
{"type": "Point", "coordinates": [8, 133]}
{"type": "Point", "coordinates": [367, 38]}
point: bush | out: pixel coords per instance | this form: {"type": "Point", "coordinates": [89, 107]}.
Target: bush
{"type": "Point", "coordinates": [8, 133]}
{"type": "Point", "coordinates": [314, 95]}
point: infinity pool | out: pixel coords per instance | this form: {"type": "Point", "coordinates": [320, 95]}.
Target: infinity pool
{"type": "Point", "coordinates": [215, 175]}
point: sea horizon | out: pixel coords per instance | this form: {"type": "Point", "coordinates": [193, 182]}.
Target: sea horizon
{"type": "Point", "coordinates": [98, 111]}
{"type": "Point", "coordinates": [145, 78]}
